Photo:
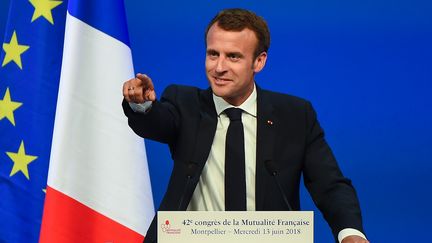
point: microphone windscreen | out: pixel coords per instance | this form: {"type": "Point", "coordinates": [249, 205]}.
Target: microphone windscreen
{"type": "Point", "coordinates": [191, 169]}
{"type": "Point", "coordinates": [271, 167]}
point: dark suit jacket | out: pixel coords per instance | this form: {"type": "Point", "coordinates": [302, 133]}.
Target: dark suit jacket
{"type": "Point", "coordinates": [185, 119]}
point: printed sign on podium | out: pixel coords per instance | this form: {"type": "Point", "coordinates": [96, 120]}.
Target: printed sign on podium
{"type": "Point", "coordinates": [235, 227]}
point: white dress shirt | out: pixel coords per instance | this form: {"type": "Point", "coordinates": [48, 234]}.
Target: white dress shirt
{"type": "Point", "coordinates": [209, 195]}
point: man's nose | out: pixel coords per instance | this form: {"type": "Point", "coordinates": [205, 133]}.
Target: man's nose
{"type": "Point", "coordinates": [221, 65]}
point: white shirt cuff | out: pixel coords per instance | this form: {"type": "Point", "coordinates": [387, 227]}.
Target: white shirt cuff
{"type": "Point", "coordinates": [347, 232]}
{"type": "Point", "coordinates": [141, 108]}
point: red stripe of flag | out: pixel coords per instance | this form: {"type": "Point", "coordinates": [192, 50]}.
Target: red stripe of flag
{"type": "Point", "coordinates": [79, 223]}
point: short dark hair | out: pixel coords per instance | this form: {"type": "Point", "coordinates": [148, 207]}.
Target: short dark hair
{"type": "Point", "coordinates": [237, 19]}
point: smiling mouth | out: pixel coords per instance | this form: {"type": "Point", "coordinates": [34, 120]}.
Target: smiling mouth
{"type": "Point", "coordinates": [221, 80]}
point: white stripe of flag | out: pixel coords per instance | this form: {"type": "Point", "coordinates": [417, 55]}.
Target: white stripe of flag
{"type": "Point", "coordinates": [95, 158]}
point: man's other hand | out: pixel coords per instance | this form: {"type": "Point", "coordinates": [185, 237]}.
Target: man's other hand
{"type": "Point", "coordinates": [354, 239]}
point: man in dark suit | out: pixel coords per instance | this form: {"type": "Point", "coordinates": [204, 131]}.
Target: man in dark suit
{"type": "Point", "coordinates": [280, 135]}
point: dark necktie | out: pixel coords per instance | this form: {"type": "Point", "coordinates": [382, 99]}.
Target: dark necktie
{"type": "Point", "coordinates": [235, 178]}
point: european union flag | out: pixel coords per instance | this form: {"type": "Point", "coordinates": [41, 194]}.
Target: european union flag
{"type": "Point", "coordinates": [31, 56]}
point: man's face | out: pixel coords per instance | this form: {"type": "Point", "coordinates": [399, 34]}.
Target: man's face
{"type": "Point", "coordinates": [230, 63]}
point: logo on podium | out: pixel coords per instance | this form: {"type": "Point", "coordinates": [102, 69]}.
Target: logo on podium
{"type": "Point", "coordinates": [166, 228]}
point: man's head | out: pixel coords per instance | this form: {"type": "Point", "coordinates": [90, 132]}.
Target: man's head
{"type": "Point", "coordinates": [237, 19]}
{"type": "Point", "coordinates": [237, 41]}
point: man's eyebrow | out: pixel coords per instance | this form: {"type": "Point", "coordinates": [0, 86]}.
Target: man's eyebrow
{"type": "Point", "coordinates": [211, 51]}
{"type": "Point", "coordinates": [230, 54]}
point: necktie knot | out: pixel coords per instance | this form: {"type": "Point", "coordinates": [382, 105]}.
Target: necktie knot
{"type": "Point", "coordinates": [234, 114]}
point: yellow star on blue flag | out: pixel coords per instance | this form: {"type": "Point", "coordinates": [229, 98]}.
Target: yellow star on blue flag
{"type": "Point", "coordinates": [7, 107]}
{"type": "Point", "coordinates": [13, 51]}
{"type": "Point", "coordinates": [21, 161]}
{"type": "Point", "coordinates": [43, 8]}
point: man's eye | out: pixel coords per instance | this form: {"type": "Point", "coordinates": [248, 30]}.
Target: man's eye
{"type": "Point", "coordinates": [212, 54]}
{"type": "Point", "coordinates": [234, 57]}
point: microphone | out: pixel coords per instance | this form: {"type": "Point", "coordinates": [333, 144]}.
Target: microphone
{"type": "Point", "coordinates": [271, 168]}
{"type": "Point", "coordinates": [190, 173]}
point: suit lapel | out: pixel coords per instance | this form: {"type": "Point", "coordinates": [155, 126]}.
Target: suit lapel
{"type": "Point", "coordinates": [206, 128]}
{"type": "Point", "coordinates": [264, 144]}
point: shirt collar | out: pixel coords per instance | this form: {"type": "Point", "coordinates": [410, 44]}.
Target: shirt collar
{"type": "Point", "coordinates": [249, 105]}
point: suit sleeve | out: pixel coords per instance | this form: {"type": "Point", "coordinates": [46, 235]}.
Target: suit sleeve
{"type": "Point", "coordinates": [333, 194]}
{"type": "Point", "coordinates": [160, 123]}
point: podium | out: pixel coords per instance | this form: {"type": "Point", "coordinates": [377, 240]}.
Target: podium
{"type": "Point", "coordinates": [235, 227]}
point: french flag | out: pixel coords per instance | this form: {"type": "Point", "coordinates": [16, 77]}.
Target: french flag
{"type": "Point", "coordinates": [98, 183]}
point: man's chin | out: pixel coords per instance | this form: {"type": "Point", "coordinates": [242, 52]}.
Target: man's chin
{"type": "Point", "coordinates": [220, 92]}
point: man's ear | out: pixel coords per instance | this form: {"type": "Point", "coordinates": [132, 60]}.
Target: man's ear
{"type": "Point", "coordinates": [260, 62]}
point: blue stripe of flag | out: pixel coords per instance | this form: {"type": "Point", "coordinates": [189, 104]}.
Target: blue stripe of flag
{"type": "Point", "coordinates": [107, 16]}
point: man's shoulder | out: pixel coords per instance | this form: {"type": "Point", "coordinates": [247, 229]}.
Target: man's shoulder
{"type": "Point", "coordinates": [183, 91]}
{"type": "Point", "coordinates": [182, 88]}
{"type": "Point", "coordinates": [287, 106]}
{"type": "Point", "coordinates": [278, 98]}
{"type": "Point", "coordinates": [186, 95]}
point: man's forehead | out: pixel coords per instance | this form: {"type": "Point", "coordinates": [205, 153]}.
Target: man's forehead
{"type": "Point", "coordinates": [217, 27]}
{"type": "Point", "coordinates": [217, 34]}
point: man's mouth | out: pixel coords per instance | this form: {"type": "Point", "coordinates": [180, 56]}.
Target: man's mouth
{"type": "Point", "coordinates": [221, 81]}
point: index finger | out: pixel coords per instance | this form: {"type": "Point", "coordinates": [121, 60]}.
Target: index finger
{"type": "Point", "coordinates": [147, 82]}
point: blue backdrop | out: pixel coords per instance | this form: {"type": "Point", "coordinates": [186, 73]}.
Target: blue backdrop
{"type": "Point", "coordinates": [365, 65]}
